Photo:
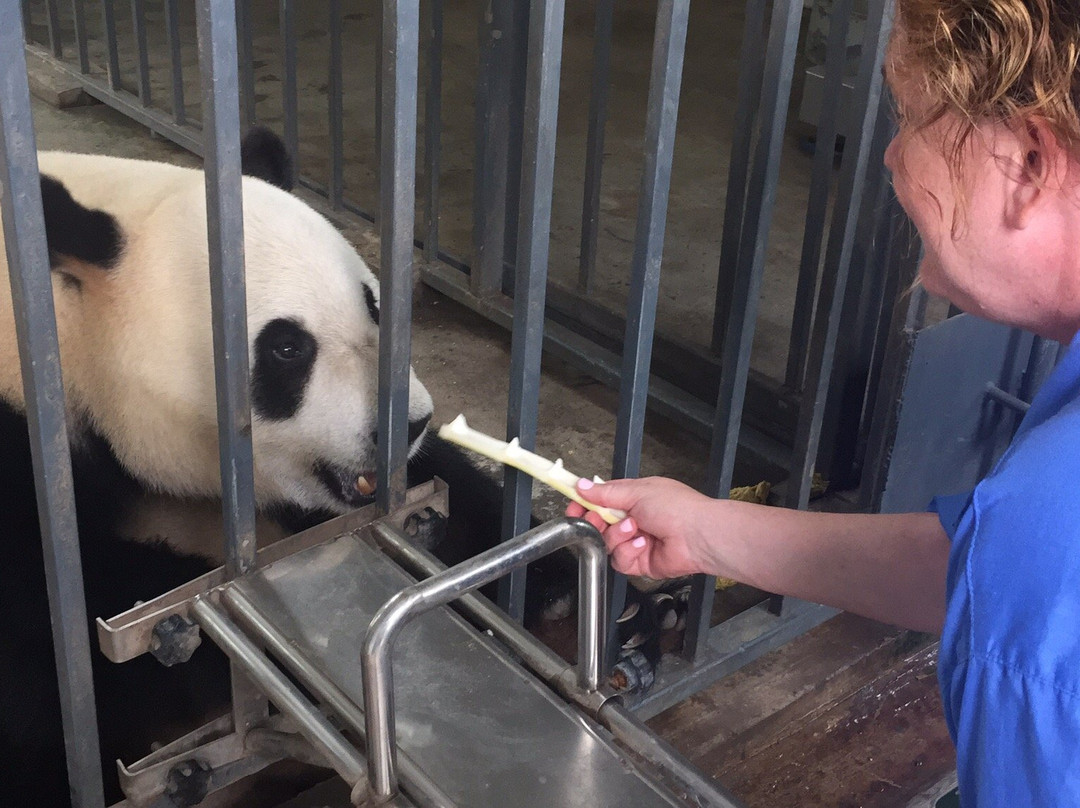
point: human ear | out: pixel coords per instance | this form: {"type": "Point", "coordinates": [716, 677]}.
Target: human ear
{"type": "Point", "coordinates": [1039, 171]}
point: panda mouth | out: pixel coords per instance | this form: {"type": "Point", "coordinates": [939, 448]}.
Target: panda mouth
{"type": "Point", "coordinates": [346, 485]}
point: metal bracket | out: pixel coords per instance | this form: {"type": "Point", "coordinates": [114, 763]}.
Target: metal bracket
{"type": "Point", "coordinates": [131, 633]}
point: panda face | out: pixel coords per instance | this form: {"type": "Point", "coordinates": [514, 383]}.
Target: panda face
{"type": "Point", "coordinates": [137, 347]}
{"type": "Point", "coordinates": [314, 358]}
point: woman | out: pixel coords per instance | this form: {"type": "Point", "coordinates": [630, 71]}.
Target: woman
{"type": "Point", "coordinates": [987, 165]}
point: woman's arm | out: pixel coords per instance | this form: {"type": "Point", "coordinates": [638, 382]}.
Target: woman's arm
{"type": "Point", "coordinates": [888, 567]}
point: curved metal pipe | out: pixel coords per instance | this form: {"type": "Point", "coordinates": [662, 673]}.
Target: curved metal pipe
{"type": "Point", "coordinates": [452, 584]}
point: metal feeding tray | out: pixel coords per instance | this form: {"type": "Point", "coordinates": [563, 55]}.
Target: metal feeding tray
{"type": "Point", "coordinates": [408, 701]}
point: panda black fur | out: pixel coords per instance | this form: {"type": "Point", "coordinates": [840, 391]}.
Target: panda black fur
{"type": "Point", "coordinates": [127, 246]}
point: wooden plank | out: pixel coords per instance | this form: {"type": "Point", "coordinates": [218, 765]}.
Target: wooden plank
{"type": "Point", "coordinates": [848, 714]}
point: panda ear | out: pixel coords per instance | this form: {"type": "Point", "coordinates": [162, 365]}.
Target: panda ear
{"type": "Point", "coordinates": [76, 232]}
{"type": "Point", "coordinates": [263, 155]}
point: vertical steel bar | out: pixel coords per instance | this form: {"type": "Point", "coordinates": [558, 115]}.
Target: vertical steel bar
{"type": "Point", "coordinates": [746, 291]}
{"type": "Point", "coordinates": [380, 36]}
{"type": "Point", "coordinates": [287, 21]}
{"type": "Point", "coordinates": [537, 178]}
{"type": "Point", "coordinates": [665, 83]}
{"type": "Point", "coordinates": [225, 230]}
{"type": "Point", "coordinates": [335, 97]}
{"type": "Point", "coordinates": [216, 22]}
{"type": "Point", "coordinates": [39, 358]}
{"type": "Point", "coordinates": [776, 89]}
{"type": "Point", "coordinates": [78, 17]}
{"type": "Point", "coordinates": [52, 18]}
{"type": "Point", "coordinates": [838, 256]}
{"type": "Point", "coordinates": [517, 68]}
{"type": "Point", "coordinates": [172, 34]}
{"type": "Point", "coordinates": [892, 348]}
{"type": "Point", "coordinates": [669, 45]}
{"type": "Point", "coordinates": [27, 23]}
{"type": "Point", "coordinates": [751, 58]}
{"type": "Point", "coordinates": [820, 176]}
{"type": "Point", "coordinates": [492, 127]}
{"type": "Point", "coordinates": [245, 55]}
{"type": "Point", "coordinates": [138, 18]}
{"type": "Point", "coordinates": [400, 44]}
{"type": "Point", "coordinates": [594, 144]}
{"type": "Point", "coordinates": [843, 425]}
{"type": "Point", "coordinates": [433, 131]}
{"type": "Point", "coordinates": [108, 15]}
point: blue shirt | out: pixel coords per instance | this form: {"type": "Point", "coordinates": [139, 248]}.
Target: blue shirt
{"type": "Point", "coordinates": [1009, 664]}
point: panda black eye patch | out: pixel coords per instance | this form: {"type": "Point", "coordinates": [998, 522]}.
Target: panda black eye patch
{"type": "Point", "coordinates": [284, 356]}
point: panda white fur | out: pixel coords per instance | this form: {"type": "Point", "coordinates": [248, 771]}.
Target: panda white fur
{"type": "Point", "coordinates": [128, 249]}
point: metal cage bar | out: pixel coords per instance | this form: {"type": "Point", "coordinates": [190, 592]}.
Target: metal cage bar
{"type": "Point", "coordinates": [752, 60]}
{"type": "Point", "coordinates": [433, 130]}
{"type": "Point", "coordinates": [39, 354]}
{"type": "Point", "coordinates": [52, 20]}
{"type": "Point", "coordinates": [496, 34]}
{"type": "Point", "coordinates": [335, 92]}
{"type": "Point", "coordinates": [245, 54]}
{"type": "Point", "coordinates": [176, 68]}
{"type": "Point", "coordinates": [225, 230]}
{"type": "Point", "coordinates": [108, 19]}
{"type": "Point", "coordinates": [138, 19]}
{"type": "Point", "coordinates": [745, 291]}
{"type": "Point", "coordinates": [828, 128]}
{"type": "Point", "coordinates": [400, 44]}
{"type": "Point", "coordinates": [216, 20]}
{"type": "Point", "coordinates": [289, 86]}
{"type": "Point", "coordinates": [78, 18]}
{"type": "Point", "coordinates": [838, 257]}
{"type": "Point", "coordinates": [527, 339]}
{"type": "Point", "coordinates": [594, 148]}
{"type": "Point", "coordinates": [669, 46]}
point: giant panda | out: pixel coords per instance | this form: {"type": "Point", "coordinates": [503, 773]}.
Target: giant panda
{"type": "Point", "coordinates": [128, 252]}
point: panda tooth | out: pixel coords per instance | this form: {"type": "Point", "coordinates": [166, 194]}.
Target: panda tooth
{"type": "Point", "coordinates": [364, 486]}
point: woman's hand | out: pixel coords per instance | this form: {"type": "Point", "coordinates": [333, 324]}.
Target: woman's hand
{"type": "Point", "coordinates": [664, 534]}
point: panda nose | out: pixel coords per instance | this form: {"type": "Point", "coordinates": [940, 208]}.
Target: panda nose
{"type": "Point", "coordinates": [415, 429]}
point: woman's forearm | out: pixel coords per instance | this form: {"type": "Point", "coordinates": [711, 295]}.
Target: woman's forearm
{"type": "Point", "coordinates": [884, 566]}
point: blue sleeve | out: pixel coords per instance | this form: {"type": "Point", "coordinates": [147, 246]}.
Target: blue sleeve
{"type": "Point", "coordinates": [949, 509]}
{"type": "Point", "coordinates": [1017, 741]}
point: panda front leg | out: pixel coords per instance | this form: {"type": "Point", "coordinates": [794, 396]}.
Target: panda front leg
{"type": "Point", "coordinates": [475, 525]}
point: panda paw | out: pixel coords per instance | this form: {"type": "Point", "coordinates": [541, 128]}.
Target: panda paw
{"type": "Point", "coordinates": [651, 624]}
{"type": "Point", "coordinates": [559, 607]}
